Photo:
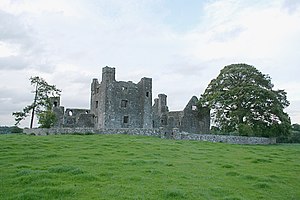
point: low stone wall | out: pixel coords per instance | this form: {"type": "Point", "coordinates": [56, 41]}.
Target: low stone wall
{"type": "Point", "coordinates": [162, 133]}
{"type": "Point", "coordinates": [87, 131]}
{"type": "Point", "coordinates": [225, 138]}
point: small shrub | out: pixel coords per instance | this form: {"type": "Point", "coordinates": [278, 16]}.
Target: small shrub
{"type": "Point", "coordinates": [294, 137]}
{"type": "Point", "coordinates": [245, 130]}
{"type": "Point", "coordinates": [15, 129]}
{"type": "Point", "coordinates": [47, 119]}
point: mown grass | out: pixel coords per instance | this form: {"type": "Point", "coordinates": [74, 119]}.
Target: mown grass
{"type": "Point", "coordinates": [135, 167]}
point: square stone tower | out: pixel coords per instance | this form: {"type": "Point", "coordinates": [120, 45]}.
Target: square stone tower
{"type": "Point", "coordinates": [120, 104]}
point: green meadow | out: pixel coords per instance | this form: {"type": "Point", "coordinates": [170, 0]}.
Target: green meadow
{"type": "Point", "coordinates": [136, 167]}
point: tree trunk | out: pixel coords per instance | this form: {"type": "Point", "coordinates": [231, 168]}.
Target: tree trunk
{"type": "Point", "coordinates": [34, 104]}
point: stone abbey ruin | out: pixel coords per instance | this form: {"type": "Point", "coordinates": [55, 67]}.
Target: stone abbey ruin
{"type": "Point", "coordinates": [120, 107]}
{"type": "Point", "coordinates": [119, 104]}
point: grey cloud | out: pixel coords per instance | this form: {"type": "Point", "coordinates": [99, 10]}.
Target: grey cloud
{"type": "Point", "coordinates": [15, 96]}
{"type": "Point", "coordinates": [7, 108]}
{"type": "Point", "coordinates": [13, 63]}
{"type": "Point", "coordinates": [14, 30]}
{"type": "Point", "coordinates": [13, 100]}
{"type": "Point", "coordinates": [20, 63]}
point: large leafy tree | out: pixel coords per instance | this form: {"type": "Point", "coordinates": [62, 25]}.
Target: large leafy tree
{"type": "Point", "coordinates": [41, 104]}
{"type": "Point", "coordinates": [242, 100]}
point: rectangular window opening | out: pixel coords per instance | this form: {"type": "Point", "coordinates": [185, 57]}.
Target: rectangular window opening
{"type": "Point", "coordinates": [125, 119]}
{"type": "Point", "coordinates": [194, 107]}
{"type": "Point", "coordinates": [124, 103]}
{"type": "Point", "coordinates": [97, 104]}
{"type": "Point", "coordinates": [147, 94]}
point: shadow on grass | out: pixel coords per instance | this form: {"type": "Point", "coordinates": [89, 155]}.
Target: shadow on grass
{"type": "Point", "coordinates": [174, 193]}
{"type": "Point", "coordinates": [66, 169]}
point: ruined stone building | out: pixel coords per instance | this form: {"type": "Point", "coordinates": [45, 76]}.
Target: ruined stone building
{"type": "Point", "coordinates": [119, 104]}
{"type": "Point", "coordinates": [188, 120]}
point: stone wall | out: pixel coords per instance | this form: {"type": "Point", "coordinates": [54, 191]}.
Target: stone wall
{"type": "Point", "coordinates": [224, 138]}
{"type": "Point", "coordinates": [189, 120]}
{"type": "Point", "coordinates": [160, 132]}
{"type": "Point", "coordinates": [120, 104]}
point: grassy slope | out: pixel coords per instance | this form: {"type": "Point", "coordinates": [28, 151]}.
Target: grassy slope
{"type": "Point", "coordinates": [130, 167]}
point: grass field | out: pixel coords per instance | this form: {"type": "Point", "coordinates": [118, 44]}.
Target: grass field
{"type": "Point", "coordinates": [136, 167]}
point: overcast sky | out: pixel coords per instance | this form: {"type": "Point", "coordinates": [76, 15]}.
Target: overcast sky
{"type": "Point", "coordinates": [180, 44]}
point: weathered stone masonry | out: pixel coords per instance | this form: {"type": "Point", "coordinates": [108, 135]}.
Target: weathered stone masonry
{"type": "Point", "coordinates": [119, 104]}
{"type": "Point", "coordinates": [161, 133]}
